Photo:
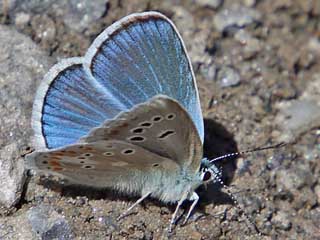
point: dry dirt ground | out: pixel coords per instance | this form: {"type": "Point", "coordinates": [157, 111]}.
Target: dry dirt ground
{"type": "Point", "coordinates": [258, 72]}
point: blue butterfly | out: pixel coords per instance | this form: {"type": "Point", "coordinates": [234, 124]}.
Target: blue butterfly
{"type": "Point", "coordinates": [125, 116]}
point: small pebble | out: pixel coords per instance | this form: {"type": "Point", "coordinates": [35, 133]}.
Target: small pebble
{"type": "Point", "coordinates": [81, 14]}
{"type": "Point", "coordinates": [209, 71]}
{"type": "Point", "coordinates": [48, 223]}
{"type": "Point", "coordinates": [237, 16]}
{"type": "Point", "coordinates": [22, 19]}
{"type": "Point", "coordinates": [209, 3]}
{"type": "Point", "coordinates": [282, 221]}
{"type": "Point", "coordinates": [228, 77]}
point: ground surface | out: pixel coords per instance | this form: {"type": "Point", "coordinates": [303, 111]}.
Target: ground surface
{"type": "Point", "coordinates": [257, 67]}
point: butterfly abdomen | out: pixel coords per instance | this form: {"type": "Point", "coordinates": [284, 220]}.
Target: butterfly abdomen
{"type": "Point", "coordinates": [170, 187]}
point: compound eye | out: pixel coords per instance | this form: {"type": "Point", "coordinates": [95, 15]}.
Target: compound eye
{"type": "Point", "coordinates": [207, 176]}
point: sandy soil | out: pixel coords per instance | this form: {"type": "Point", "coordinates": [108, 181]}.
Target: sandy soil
{"type": "Point", "coordinates": [257, 67]}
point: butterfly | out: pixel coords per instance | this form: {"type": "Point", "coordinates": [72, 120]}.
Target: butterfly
{"type": "Point", "coordinates": [126, 116]}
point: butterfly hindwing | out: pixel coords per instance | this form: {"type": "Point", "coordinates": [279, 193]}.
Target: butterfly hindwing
{"type": "Point", "coordinates": [68, 104]}
{"type": "Point", "coordinates": [113, 163]}
{"type": "Point", "coordinates": [161, 126]}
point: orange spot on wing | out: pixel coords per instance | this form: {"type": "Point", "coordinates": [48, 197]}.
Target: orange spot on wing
{"type": "Point", "coordinates": [57, 169]}
{"type": "Point", "coordinates": [58, 154]}
{"type": "Point", "coordinates": [113, 132]}
{"type": "Point", "coordinates": [70, 154]}
{"type": "Point", "coordinates": [54, 163]}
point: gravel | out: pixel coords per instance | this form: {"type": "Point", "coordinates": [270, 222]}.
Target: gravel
{"type": "Point", "coordinates": [257, 66]}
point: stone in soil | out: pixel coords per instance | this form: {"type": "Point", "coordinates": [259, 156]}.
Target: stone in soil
{"type": "Point", "coordinates": [22, 65]}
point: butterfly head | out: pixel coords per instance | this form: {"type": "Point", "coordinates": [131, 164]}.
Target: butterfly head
{"type": "Point", "coordinates": [209, 172]}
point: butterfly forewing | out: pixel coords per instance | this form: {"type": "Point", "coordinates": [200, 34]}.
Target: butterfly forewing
{"type": "Point", "coordinates": [141, 56]}
{"type": "Point", "coordinates": [161, 126]}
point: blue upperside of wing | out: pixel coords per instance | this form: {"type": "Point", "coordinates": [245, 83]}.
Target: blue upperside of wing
{"type": "Point", "coordinates": [135, 62]}
{"type": "Point", "coordinates": [73, 106]}
{"type": "Point", "coordinates": [144, 59]}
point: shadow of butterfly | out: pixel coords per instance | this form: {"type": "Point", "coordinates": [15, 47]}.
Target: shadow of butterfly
{"type": "Point", "coordinates": [125, 116]}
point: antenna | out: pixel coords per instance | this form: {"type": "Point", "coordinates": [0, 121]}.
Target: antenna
{"type": "Point", "coordinates": [282, 144]}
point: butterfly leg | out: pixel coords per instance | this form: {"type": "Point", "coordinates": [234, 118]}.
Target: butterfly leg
{"type": "Point", "coordinates": [195, 198]}
{"type": "Point", "coordinates": [124, 214]}
{"type": "Point", "coordinates": [173, 218]}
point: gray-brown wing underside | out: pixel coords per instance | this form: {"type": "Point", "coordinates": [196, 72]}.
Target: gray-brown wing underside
{"type": "Point", "coordinates": [116, 164]}
{"type": "Point", "coordinates": [161, 126]}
